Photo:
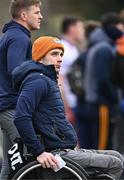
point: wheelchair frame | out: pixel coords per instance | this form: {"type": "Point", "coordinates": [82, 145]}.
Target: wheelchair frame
{"type": "Point", "coordinates": [77, 171]}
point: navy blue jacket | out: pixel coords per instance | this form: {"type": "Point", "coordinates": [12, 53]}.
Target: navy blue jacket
{"type": "Point", "coordinates": [98, 85]}
{"type": "Point", "coordinates": [15, 48]}
{"type": "Point", "coordinates": [40, 109]}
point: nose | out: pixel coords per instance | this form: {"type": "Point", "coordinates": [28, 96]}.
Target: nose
{"type": "Point", "coordinates": [40, 16]}
{"type": "Point", "coordinates": [60, 59]}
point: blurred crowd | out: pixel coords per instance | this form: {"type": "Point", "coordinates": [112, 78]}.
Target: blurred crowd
{"type": "Point", "coordinates": [98, 112]}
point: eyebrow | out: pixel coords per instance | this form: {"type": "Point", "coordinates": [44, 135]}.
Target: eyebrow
{"type": "Point", "coordinates": [56, 53]}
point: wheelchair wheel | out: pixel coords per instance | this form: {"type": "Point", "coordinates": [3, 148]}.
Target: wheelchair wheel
{"type": "Point", "coordinates": [33, 170]}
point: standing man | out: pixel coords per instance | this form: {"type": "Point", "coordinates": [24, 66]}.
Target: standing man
{"type": "Point", "coordinates": [15, 48]}
{"type": "Point", "coordinates": [40, 110]}
{"type": "Point", "coordinates": [73, 33]}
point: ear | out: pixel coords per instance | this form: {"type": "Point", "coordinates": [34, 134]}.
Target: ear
{"type": "Point", "coordinates": [23, 15]}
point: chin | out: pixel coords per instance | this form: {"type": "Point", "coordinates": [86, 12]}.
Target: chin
{"type": "Point", "coordinates": [57, 70]}
{"type": "Point", "coordinates": [38, 28]}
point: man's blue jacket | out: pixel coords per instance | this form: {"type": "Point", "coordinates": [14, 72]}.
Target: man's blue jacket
{"type": "Point", "coordinates": [15, 48]}
{"type": "Point", "coordinates": [40, 109]}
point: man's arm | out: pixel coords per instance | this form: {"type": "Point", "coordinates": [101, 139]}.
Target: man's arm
{"type": "Point", "coordinates": [28, 101]}
{"type": "Point", "coordinates": [27, 104]}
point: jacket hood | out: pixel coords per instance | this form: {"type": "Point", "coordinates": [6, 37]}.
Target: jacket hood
{"type": "Point", "coordinates": [14, 25]}
{"type": "Point", "coordinates": [98, 35]}
{"type": "Point", "coordinates": [21, 72]}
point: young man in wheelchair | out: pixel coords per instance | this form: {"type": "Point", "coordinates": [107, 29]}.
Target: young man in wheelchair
{"type": "Point", "coordinates": [40, 110]}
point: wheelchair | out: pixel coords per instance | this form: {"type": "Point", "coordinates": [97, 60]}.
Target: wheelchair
{"type": "Point", "coordinates": [72, 171]}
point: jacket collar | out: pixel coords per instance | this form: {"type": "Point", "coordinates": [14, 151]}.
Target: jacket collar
{"type": "Point", "coordinates": [21, 72]}
{"type": "Point", "coordinates": [15, 25]}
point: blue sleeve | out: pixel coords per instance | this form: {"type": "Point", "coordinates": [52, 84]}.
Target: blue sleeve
{"type": "Point", "coordinates": [103, 59]}
{"type": "Point", "coordinates": [28, 101]}
{"type": "Point", "coordinates": [17, 51]}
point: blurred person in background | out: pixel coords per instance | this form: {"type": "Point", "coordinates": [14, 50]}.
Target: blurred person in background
{"type": "Point", "coordinates": [100, 93]}
{"type": "Point", "coordinates": [72, 29]}
{"type": "Point", "coordinates": [86, 126]}
{"type": "Point", "coordinates": [15, 48]}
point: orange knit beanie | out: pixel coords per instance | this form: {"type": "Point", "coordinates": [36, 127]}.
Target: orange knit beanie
{"type": "Point", "coordinates": [43, 45]}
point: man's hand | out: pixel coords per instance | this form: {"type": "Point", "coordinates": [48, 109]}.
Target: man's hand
{"type": "Point", "coordinates": [47, 160]}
